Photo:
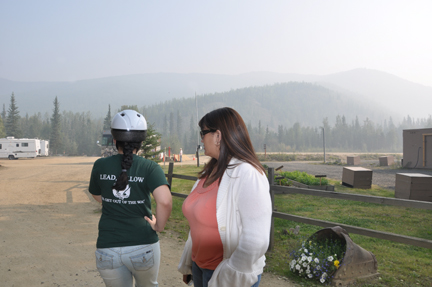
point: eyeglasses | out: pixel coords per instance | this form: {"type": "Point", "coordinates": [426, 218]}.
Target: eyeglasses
{"type": "Point", "coordinates": [204, 132]}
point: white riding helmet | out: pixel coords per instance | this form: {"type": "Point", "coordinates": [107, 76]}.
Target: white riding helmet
{"type": "Point", "coordinates": [129, 126]}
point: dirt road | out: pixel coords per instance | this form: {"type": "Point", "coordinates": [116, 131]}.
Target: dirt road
{"type": "Point", "coordinates": [48, 227]}
{"type": "Point", "coordinates": [382, 176]}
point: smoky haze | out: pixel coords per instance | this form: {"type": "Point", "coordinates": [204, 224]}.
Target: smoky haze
{"type": "Point", "coordinates": [377, 90]}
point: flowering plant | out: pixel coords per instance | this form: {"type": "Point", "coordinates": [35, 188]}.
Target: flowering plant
{"type": "Point", "coordinates": [317, 259]}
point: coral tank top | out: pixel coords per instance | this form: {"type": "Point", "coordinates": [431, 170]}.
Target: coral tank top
{"type": "Point", "coordinates": [200, 210]}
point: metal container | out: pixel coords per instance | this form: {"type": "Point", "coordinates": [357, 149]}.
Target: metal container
{"type": "Point", "coordinates": [357, 262]}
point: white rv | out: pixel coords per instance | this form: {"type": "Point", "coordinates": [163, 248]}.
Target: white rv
{"type": "Point", "coordinates": [13, 148]}
{"type": "Point", "coordinates": [44, 148]}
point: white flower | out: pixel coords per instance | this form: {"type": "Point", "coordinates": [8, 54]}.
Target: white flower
{"type": "Point", "coordinates": [304, 258]}
{"type": "Point", "coordinates": [298, 267]}
{"type": "Point", "coordinates": [318, 267]}
{"type": "Point", "coordinates": [300, 271]}
{"type": "Point", "coordinates": [307, 271]}
{"type": "Point", "coordinates": [311, 254]}
{"type": "Point", "coordinates": [316, 260]}
{"type": "Point", "coordinates": [306, 251]}
{"type": "Point", "coordinates": [324, 275]}
{"type": "Point", "coordinates": [309, 259]}
{"type": "Point", "coordinates": [305, 264]}
{"type": "Point", "coordinates": [310, 275]}
{"type": "Point", "coordinates": [330, 258]}
{"type": "Point", "coordinates": [322, 280]}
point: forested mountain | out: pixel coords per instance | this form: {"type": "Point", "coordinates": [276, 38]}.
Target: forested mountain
{"type": "Point", "coordinates": [284, 115]}
{"type": "Point", "coordinates": [394, 95]}
{"type": "Point", "coordinates": [271, 106]}
{"type": "Point", "coordinates": [287, 117]}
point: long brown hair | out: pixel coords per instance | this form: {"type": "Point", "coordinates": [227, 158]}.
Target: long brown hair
{"type": "Point", "coordinates": [235, 142]}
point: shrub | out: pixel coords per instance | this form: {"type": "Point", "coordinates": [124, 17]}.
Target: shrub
{"type": "Point", "coordinates": [302, 177]}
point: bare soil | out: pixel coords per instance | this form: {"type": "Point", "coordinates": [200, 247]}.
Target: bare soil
{"type": "Point", "coordinates": [48, 227]}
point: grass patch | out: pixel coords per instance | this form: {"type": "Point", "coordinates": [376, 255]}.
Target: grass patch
{"type": "Point", "coordinates": [398, 264]}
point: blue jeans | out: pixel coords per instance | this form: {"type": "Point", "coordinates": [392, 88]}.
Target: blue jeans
{"type": "Point", "coordinates": [201, 276]}
{"type": "Point", "coordinates": [119, 266]}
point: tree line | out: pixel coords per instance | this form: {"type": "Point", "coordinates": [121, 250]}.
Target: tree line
{"type": "Point", "coordinates": [77, 133]}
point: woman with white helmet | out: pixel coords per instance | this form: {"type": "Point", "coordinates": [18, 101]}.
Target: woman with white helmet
{"type": "Point", "coordinates": [128, 245]}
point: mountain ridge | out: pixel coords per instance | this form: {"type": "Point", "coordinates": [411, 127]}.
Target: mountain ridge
{"type": "Point", "coordinates": [386, 92]}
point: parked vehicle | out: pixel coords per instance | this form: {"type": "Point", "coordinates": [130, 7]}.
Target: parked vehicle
{"type": "Point", "coordinates": [107, 145]}
{"type": "Point", "coordinates": [13, 148]}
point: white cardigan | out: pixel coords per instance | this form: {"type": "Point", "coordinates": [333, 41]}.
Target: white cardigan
{"type": "Point", "coordinates": [243, 211]}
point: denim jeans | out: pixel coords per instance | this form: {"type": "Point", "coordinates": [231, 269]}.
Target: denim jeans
{"type": "Point", "coordinates": [118, 266]}
{"type": "Point", "coordinates": [201, 276]}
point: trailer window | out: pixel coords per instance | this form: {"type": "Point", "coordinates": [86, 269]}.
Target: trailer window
{"type": "Point", "coordinates": [0, 146]}
{"type": "Point", "coordinates": [17, 145]}
{"type": "Point", "coordinates": [24, 144]}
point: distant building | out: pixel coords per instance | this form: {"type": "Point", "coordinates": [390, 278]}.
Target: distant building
{"type": "Point", "coordinates": [417, 148]}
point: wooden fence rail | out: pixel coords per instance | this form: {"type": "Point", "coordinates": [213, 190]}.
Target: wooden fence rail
{"type": "Point", "coordinates": [274, 189]}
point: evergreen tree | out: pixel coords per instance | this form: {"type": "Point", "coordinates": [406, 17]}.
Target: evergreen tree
{"type": "Point", "coordinates": [172, 130]}
{"type": "Point", "coordinates": [2, 129]}
{"type": "Point", "coordinates": [165, 126]}
{"type": "Point", "coordinates": [3, 114]}
{"type": "Point", "coordinates": [107, 120]}
{"type": "Point", "coordinates": [179, 124]}
{"type": "Point", "coordinates": [191, 144]}
{"type": "Point", "coordinates": [13, 119]}
{"type": "Point", "coordinates": [151, 144]}
{"type": "Point", "coordinates": [55, 132]}
{"type": "Point", "coordinates": [126, 107]}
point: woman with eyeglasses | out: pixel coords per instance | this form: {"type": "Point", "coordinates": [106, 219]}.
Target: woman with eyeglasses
{"type": "Point", "coordinates": [228, 210]}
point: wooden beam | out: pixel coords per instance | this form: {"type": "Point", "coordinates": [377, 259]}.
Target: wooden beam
{"type": "Point", "coordinates": [355, 197]}
{"type": "Point", "coordinates": [358, 230]}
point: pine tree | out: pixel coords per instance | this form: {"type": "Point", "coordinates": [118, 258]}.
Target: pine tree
{"type": "Point", "coordinates": [55, 132]}
{"type": "Point", "coordinates": [107, 120]}
{"type": "Point", "coordinates": [172, 130]}
{"type": "Point", "coordinates": [2, 129]}
{"type": "Point", "coordinates": [13, 119]}
{"type": "Point", "coordinates": [179, 124]}
{"type": "Point", "coordinates": [3, 114]}
{"type": "Point", "coordinates": [152, 142]}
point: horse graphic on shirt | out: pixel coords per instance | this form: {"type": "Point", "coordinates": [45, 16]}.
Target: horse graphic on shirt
{"type": "Point", "coordinates": [122, 194]}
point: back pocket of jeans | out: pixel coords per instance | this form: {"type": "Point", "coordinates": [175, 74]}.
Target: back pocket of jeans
{"type": "Point", "coordinates": [143, 261]}
{"type": "Point", "coordinates": [103, 260]}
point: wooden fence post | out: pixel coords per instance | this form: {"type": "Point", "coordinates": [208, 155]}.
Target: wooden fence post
{"type": "Point", "coordinates": [170, 172]}
{"type": "Point", "coordinates": [271, 182]}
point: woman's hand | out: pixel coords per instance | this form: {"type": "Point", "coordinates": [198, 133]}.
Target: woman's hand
{"type": "Point", "coordinates": [152, 222]}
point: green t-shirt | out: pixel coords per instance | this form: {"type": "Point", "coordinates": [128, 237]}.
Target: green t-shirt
{"type": "Point", "coordinates": [122, 221]}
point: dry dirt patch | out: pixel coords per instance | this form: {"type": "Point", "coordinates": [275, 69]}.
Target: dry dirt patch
{"type": "Point", "coordinates": [48, 227]}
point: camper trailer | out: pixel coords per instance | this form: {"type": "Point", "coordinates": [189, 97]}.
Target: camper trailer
{"type": "Point", "coordinates": [13, 148]}
{"type": "Point", "coordinates": [44, 148]}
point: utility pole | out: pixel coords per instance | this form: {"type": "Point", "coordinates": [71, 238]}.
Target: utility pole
{"type": "Point", "coordinates": [324, 144]}
{"type": "Point", "coordinates": [198, 145]}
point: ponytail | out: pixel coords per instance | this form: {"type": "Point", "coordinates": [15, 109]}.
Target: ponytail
{"type": "Point", "coordinates": [128, 148]}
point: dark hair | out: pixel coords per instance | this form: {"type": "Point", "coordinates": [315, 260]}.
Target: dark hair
{"type": "Point", "coordinates": [235, 142]}
{"type": "Point", "coordinates": [127, 148]}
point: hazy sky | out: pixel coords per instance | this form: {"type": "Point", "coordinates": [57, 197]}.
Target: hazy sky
{"type": "Point", "coordinates": [73, 40]}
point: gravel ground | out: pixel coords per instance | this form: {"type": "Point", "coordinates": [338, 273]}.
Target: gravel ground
{"type": "Point", "coordinates": [381, 176]}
